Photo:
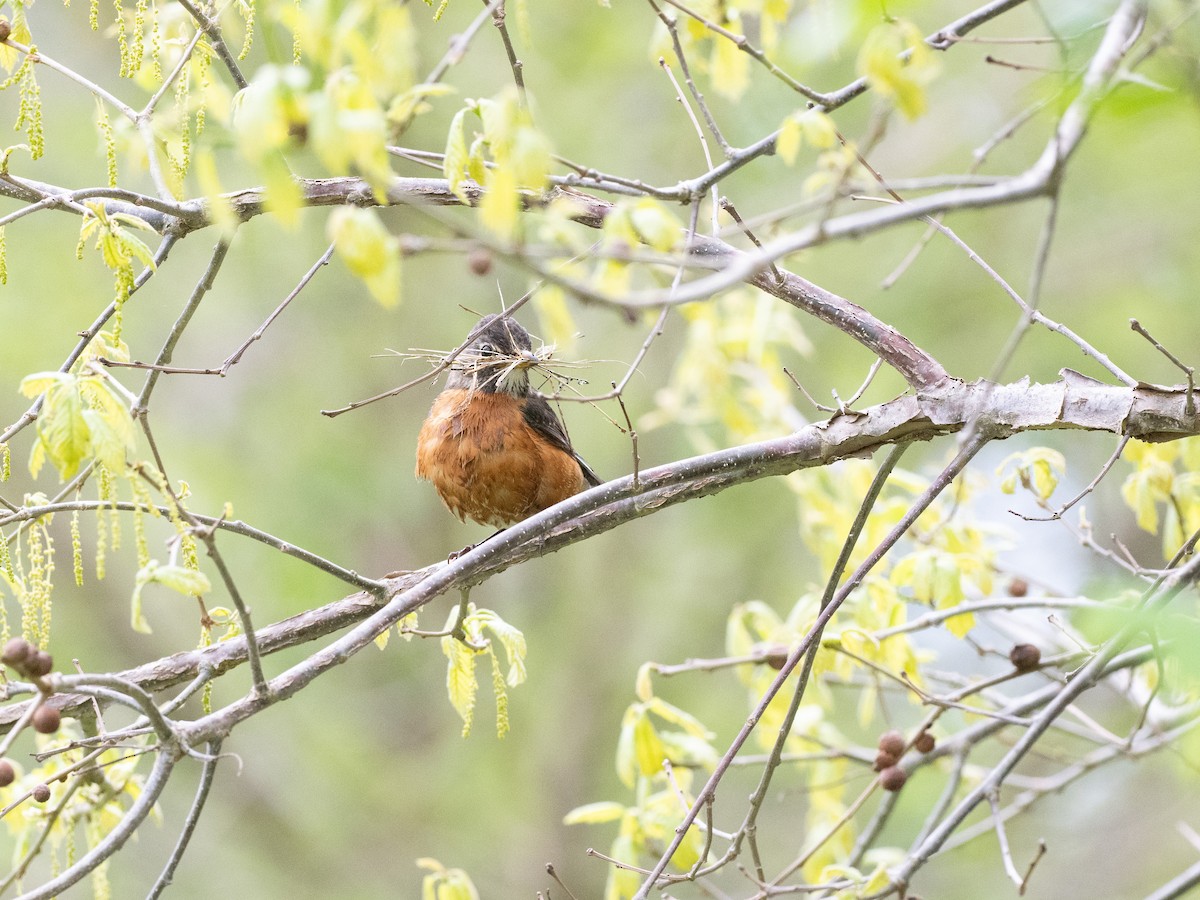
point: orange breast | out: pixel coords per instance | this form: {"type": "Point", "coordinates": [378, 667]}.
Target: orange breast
{"type": "Point", "coordinates": [487, 463]}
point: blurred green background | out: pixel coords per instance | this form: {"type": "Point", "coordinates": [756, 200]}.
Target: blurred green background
{"type": "Point", "coordinates": [340, 790]}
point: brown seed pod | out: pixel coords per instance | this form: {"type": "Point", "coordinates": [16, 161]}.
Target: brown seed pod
{"type": "Point", "coordinates": [46, 720]}
{"type": "Point", "coordinates": [925, 742]}
{"type": "Point", "coordinates": [884, 760]}
{"type": "Point", "coordinates": [41, 793]}
{"type": "Point", "coordinates": [479, 261]}
{"type": "Point", "coordinates": [7, 773]}
{"type": "Point", "coordinates": [775, 656]}
{"type": "Point", "coordinates": [299, 132]}
{"type": "Point", "coordinates": [1018, 587]}
{"type": "Point", "coordinates": [892, 778]}
{"type": "Point", "coordinates": [1025, 657]}
{"type": "Point", "coordinates": [892, 742]}
{"type": "Point", "coordinates": [16, 651]}
{"type": "Point", "coordinates": [39, 663]}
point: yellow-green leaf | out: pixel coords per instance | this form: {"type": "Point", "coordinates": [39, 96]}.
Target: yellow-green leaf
{"type": "Point", "coordinates": [368, 250]}
{"type": "Point", "coordinates": [677, 716]}
{"type": "Point", "coordinates": [626, 755]}
{"type": "Point", "coordinates": [655, 224]}
{"type": "Point", "coordinates": [454, 163]}
{"type": "Point", "coordinates": [730, 68]}
{"type": "Point", "coordinates": [37, 384]}
{"type": "Point", "coordinates": [500, 206]}
{"type": "Point", "coordinates": [594, 813]}
{"type": "Point", "coordinates": [409, 104]}
{"type": "Point", "coordinates": [63, 430]}
{"type": "Point", "coordinates": [461, 684]}
{"type": "Point", "coordinates": [787, 142]}
{"type": "Point", "coordinates": [646, 746]}
{"type": "Point", "coordinates": [901, 80]}
{"type": "Point", "coordinates": [283, 196]}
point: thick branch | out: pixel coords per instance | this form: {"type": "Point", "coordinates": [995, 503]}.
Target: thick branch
{"type": "Point", "coordinates": [1146, 412]}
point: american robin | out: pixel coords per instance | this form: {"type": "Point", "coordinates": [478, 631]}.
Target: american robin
{"type": "Point", "coordinates": [494, 448]}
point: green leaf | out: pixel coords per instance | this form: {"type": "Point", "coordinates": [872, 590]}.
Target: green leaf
{"type": "Point", "coordinates": [112, 429]}
{"type": "Point", "coordinates": [182, 580]}
{"type": "Point", "coordinates": [63, 430]}
{"type": "Point", "coordinates": [137, 618]}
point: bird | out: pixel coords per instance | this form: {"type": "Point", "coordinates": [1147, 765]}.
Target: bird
{"type": "Point", "coordinates": [493, 447]}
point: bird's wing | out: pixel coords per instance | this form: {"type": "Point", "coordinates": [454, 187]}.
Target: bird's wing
{"type": "Point", "coordinates": [542, 418]}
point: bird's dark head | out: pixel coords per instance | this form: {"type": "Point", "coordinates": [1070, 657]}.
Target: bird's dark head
{"type": "Point", "coordinates": [497, 359]}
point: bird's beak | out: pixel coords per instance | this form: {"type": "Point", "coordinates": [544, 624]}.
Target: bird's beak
{"type": "Point", "coordinates": [527, 360]}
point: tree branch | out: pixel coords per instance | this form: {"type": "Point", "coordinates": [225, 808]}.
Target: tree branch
{"type": "Point", "coordinates": [998, 411]}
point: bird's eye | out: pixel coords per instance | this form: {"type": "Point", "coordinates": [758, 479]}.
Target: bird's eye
{"type": "Point", "coordinates": [486, 349]}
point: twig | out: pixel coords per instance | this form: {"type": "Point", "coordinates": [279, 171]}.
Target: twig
{"type": "Point", "coordinates": [121, 832]}
{"type": "Point", "coordinates": [633, 436]}
{"type": "Point", "coordinates": [828, 598]}
{"type": "Point", "coordinates": [741, 42]}
{"type": "Point", "coordinates": [460, 42]}
{"type": "Point", "coordinates": [1179, 886]}
{"type": "Point", "coordinates": [86, 337]}
{"type": "Point", "coordinates": [41, 58]}
{"type": "Point", "coordinates": [699, 133]}
{"type": "Point", "coordinates": [446, 362]}
{"type": "Point", "coordinates": [673, 31]}
{"type": "Point", "coordinates": [498, 16]}
{"type": "Point", "coordinates": [553, 874]}
{"type": "Point", "coordinates": [1010, 868]}
{"type": "Point", "coordinates": [1190, 404]}
{"type": "Point", "coordinates": [236, 356]}
{"type": "Point", "coordinates": [1032, 314]}
{"type": "Point", "coordinates": [733, 214]}
{"type": "Point", "coordinates": [235, 526]}
{"type": "Point", "coordinates": [213, 30]}
{"type": "Point", "coordinates": [140, 413]}
{"type": "Point", "coordinates": [1155, 599]}
{"type": "Point", "coordinates": [1035, 283]}
{"type": "Point", "coordinates": [802, 649]}
{"type": "Point", "coordinates": [189, 824]}
{"type": "Point", "coordinates": [47, 826]}
{"type": "Point", "coordinates": [125, 691]}
{"type": "Point", "coordinates": [1019, 67]}
{"type": "Point", "coordinates": [1104, 470]}
{"type": "Point", "coordinates": [163, 89]}
{"type": "Point", "coordinates": [38, 699]}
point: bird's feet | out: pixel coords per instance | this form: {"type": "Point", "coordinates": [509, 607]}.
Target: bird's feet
{"type": "Point", "coordinates": [467, 549]}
